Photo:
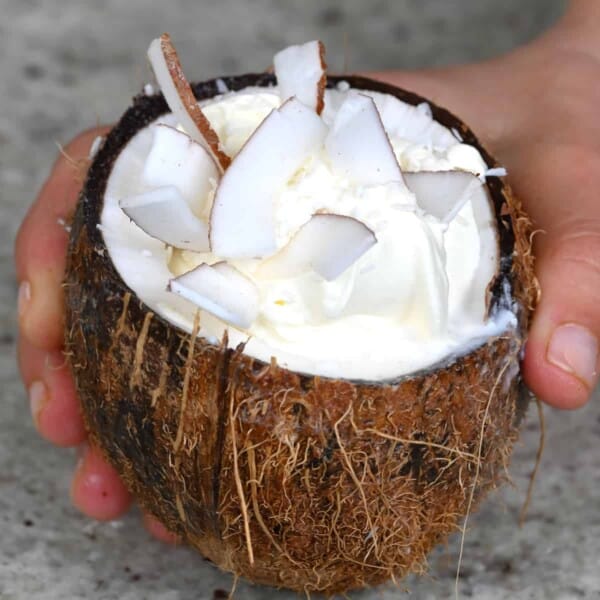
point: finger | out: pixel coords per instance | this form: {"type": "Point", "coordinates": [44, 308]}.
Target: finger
{"type": "Point", "coordinates": [561, 357]}
{"type": "Point", "coordinates": [52, 396]}
{"type": "Point", "coordinates": [159, 531]}
{"type": "Point", "coordinates": [40, 247]}
{"type": "Point", "coordinates": [96, 489]}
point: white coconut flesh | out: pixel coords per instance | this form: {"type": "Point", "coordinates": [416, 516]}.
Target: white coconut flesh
{"type": "Point", "coordinates": [401, 289]}
{"type": "Point", "coordinates": [327, 244]}
{"type": "Point", "coordinates": [177, 160]}
{"type": "Point", "coordinates": [164, 214]}
{"type": "Point", "coordinates": [300, 72]}
{"type": "Point", "coordinates": [443, 193]}
{"type": "Point", "coordinates": [242, 220]}
{"type": "Point", "coordinates": [221, 290]}
{"type": "Point", "coordinates": [357, 144]}
{"type": "Point", "coordinates": [180, 98]}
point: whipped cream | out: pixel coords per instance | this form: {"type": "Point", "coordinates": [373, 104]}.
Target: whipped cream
{"type": "Point", "coordinates": [417, 297]}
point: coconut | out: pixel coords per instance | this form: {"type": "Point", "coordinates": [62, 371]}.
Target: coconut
{"type": "Point", "coordinates": [291, 479]}
{"type": "Point", "coordinates": [291, 133]}
{"type": "Point", "coordinates": [327, 243]}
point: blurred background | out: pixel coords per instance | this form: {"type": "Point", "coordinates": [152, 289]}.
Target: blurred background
{"type": "Point", "coordinates": [66, 65]}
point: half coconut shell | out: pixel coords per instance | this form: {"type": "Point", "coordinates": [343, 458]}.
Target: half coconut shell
{"type": "Point", "coordinates": [290, 479]}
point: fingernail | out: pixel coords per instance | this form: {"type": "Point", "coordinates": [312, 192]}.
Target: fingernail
{"type": "Point", "coordinates": [574, 349]}
{"type": "Point", "coordinates": [38, 395]}
{"type": "Point", "coordinates": [24, 297]}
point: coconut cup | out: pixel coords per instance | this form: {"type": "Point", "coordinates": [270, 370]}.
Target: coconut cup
{"type": "Point", "coordinates": [285, 478]}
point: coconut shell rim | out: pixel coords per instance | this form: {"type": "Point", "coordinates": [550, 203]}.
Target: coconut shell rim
{"type": "Point", "coordinates": [147, 108]}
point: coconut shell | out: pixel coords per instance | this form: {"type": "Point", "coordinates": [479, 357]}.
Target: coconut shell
{"type": "Point", "coordinates": [285, 478]}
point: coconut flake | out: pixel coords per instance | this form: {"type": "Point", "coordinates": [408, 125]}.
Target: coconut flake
{"type": "Point", "coordinates": [242, 223]}
{"type": "Point", "coordinates": [221, 290]}
{"type": "Point", "coordinates": [148, 90]}
{"type": "Point", "coordinates": [95, 146]}
{"type": "Point", "coordinates": [327, 243]}
{"type": "Point", "coordinates": [164, 214]}
{"type": "Point", "coordinates": [62, 223]}
{"type": "Point", "coordinates": [175, 159]}
{"type": "Point", "coordinates": [425, 109]}
{"type": "Point", "coordinates": [456, 133]}
{"type": "Point", "coordinates": [496, 172]}
{"type": "Point", "coordinates": [443, 193]}
{"type": "Point", "coordinates": [358, 145]}
{"type": "Point", "coordinates": [181, 100]}
{"type": "Point", "coordinates": [221, 86]}
{"type": "Point", "coordinates": [301, 72]}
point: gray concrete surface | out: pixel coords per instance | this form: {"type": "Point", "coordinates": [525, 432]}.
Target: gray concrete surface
{"type": "Point", "coordinates": [66, 65]}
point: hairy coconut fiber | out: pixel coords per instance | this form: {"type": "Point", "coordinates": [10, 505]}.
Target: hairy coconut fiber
{"type": "Point", "coordinates": [289, 479]}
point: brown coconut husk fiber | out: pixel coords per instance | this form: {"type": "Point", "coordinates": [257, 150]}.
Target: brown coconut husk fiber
{"type": "Point", "coordinates": [290, 479]}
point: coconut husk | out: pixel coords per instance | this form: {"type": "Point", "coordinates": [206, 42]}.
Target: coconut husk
{"type": "Point", "coordinates": [290, 479]}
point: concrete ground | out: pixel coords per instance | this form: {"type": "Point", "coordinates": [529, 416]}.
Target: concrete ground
{"type": "Point", "coordinates": [68, 64]}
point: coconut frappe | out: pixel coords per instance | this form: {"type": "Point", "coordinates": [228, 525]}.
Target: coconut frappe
{"type": "Point", "coordinates": [300, 301]}
{"type": "Point", "coordinates": [368, 217]}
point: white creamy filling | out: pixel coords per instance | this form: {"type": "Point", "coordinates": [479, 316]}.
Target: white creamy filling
{"type": "Point", "coordinates": [416, 297]}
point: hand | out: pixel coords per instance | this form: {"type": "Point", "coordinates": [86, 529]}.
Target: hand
{"type": "Point", "coordinates": [536, 109]}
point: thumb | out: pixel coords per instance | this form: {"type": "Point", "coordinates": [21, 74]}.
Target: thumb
{"type": "Point", "coordinates": [561, 356]}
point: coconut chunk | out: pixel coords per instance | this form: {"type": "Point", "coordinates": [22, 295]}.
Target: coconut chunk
{"type": "Point", "coordinates": [328, 244]}
{"type": "Point", "coordinates": [221, 290]}
{"type": "Point", "coordinates": [301, 72]}
{"type": "Point", "coordinates": [177, 160]}
{"type": "Point", "coordinates": [181, 100]}
{"type": "Point", "coordinates": [242, 223]}
{"type": "Point", "coordinates": [164, 214]}
{"type": "Point", "coordinates": [358, 145]}
{"type": "Point", "coordinates": [443, 193]}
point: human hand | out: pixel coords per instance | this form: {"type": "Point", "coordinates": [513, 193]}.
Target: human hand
{"type": "Point", "coordinates": [535, 109]}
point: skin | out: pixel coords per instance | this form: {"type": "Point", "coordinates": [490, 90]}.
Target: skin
{"type": "Point", "coordinates": [535, 108]}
